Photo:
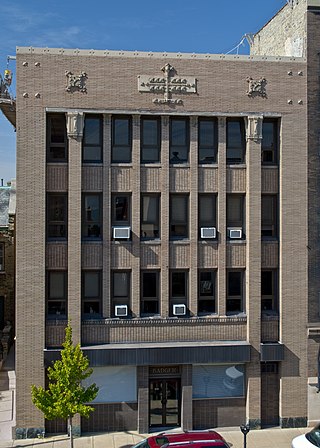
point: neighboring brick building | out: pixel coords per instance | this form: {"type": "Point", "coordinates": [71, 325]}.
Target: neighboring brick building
{"type": "Point", "coordinates": [7, 265]}
{"type": "Point", "coordinates": [168, 220]}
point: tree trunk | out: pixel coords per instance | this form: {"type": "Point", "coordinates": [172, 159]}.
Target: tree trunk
{"type": "Point", "coordinates": [70, 432]}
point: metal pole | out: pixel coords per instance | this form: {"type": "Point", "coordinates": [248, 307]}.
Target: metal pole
{"type": "Point", "coordinates": [245, 429]}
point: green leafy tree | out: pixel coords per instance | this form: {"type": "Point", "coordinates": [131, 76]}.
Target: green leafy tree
{"type": "Point", "coordinates": [66, 395]}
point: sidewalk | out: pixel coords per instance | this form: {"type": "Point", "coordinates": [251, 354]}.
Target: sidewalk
{"type": "Point", "coordinates": [265, 438]}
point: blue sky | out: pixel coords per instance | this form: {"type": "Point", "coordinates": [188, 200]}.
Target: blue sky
{"type": "Point", "coordinates": [202, 26]}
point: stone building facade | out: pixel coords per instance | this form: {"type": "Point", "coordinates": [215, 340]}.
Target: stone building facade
{"type": "Point", "coordinates": [167, 221]}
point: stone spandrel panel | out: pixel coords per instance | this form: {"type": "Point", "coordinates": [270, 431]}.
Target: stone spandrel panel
{"type": "Point", "coordinates": [208, 255]}
{"type": "Point", "coordinates": [179, 179]}
{"type": "Point", "coordinates": [236, 180]}
{"type": "Point", "coordinates": [91, 255]}
{"type": "Point", "coordinates": [270, 180]}
{"type": "Point", "coordinates": [121, 179]}
{"type": "Point", "coordinates": [179, 255]}
{"type": "Point", "coordinates": [57, 177]}
{"type": "Point", "coordinates": [208, 179]}
{"type": "Point", "coordinates": [92, 178]}
{"type": "Point", "coordinates": [150, 179]}
{"type": "Point", "coordinates": [236, 255]}
{"type": "Point", "coordinates": [150, 255]}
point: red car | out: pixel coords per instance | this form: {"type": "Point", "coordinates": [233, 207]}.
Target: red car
{"type": "Point", "coordinates": [191, 439]}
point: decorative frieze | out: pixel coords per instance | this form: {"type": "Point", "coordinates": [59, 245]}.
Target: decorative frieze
{"type": "Point", "coordinates": [168, 85]}
{"type": "Point", "coordinates": [76, 83]}
{"type": "Point", "coordinates": [257, 87]}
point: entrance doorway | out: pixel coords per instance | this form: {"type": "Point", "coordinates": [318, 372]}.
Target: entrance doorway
{"type": "Point", "coordinates": [164, 402]}
{"type": "Point", "coordinates": [270, 388]}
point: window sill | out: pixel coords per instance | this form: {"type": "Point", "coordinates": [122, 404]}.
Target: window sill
{"type": "Point", "coordinates": [180, 241]}
{"type": "Point", "coordinates": [236, 241]}
{"type": "Point", "coordinates": [121, 164]}
{"type": "Point", "coordinates": [91, 240]}
{"type": "Point", "coordinates": [151, 164]}
{"type": "Point", "coordinates": [150, 241]}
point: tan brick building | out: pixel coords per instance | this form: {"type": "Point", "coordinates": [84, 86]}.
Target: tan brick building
{"type": "Point", "coordinates": [163, 209]}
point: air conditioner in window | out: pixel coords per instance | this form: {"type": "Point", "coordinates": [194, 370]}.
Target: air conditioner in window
{"type": "Point", "coordinates": [121, 233]}
{"type": "Point", "coordinates": [179, 310]}
{"type": "Point", "coordinates": [234, 233]}
{"type": "Point", "coordinates": [208, 232]}
{"type": "Point", "coordinates": [1, 267]}
{"type": "Point", "coordinates": [121, 310]}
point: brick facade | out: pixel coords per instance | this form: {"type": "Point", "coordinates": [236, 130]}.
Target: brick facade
{"type": "Point", "coordinates": [222, 93]}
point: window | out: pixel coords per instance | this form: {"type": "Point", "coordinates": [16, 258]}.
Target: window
{"type": "Point", "coordinates": [235, 213]}
{"type": "Point", "coordinates": [179, 216]}
{"type": "Point", "coordinates": [57, 142]}
{"type": "Point", "coordinates": [269, 144]}
{"type": "Point", "coordinates": [91, 294]}
{"type": "Point", "coordinates": [269, 212]}
{"type": "Point", "coordinates": [236, 142]}
{"type": "Point", "coordinates": [150, 227]}
{"type": "Point", "coordinates": [1, 257]}
{"type": "Point", "coordinates": [91, 216]}
{"type": "Point", "coordinates": [269, 289]}
{"type": "Point", "coordinates": [57, 216]}
{"type": "Point", "coordinates": [150, 140]}
{"type": "Point", "coordinates": [121, 286]}
{"type": "Point", "coordinates": [92, 139]}
{"type": "Point", "coordinates": [149, 292]}
{"type": "Point", "coordinates": [178, 289]}
{"type": "Point", "coordinates": [207, 292]}
{"type": "Point", "coordinates": [207, 214]}
{"type": "Point", "coordinates": [218, 381]}
{"type": "Point", "coordinates": [208, 140]}
{"type": "Point", "coordinates": [179, 140]}
{"type": "Point", "coordinates": [121, 213]}
{"type": "Point", "coordinates": [57, 294]}
{"type": "Point", "coordinates": [121, 140]}
{"type": "Point", "coordinates": [235, 285]}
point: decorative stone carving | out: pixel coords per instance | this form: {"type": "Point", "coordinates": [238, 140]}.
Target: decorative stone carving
{"type": "Point", "coordinates": [257, 87]}
{"type": "Point", "coordinates": [254, 128]}
{"type": "Point", "coordinates": [167, 85]}
{"type": "Point", "coordinates": [76, 83]}
{"type": "Point", "coordinates": [75, 123]}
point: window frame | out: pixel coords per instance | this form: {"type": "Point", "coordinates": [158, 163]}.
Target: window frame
{"type": "Point", "coordinates": [114, 144]}
{"type": "Point", "coordinates": [121, 300]}
{"type": "Point", "coordinates": [275, 142]}
{"type": "Point", "coordinates": [63, 300]}
{"type": "Point", "coordinates": [144, 148]}
{"type": "Point", "coordinates": [62, 222]}
{"type": "Point", "coordinates": [271, 222]}
{"type": "Point", "coordinates": [236, 160]}
{"type": "Point", "coordinates": [206, 298]}
{"type": "Point", "coordinates": [206, 148]}
{"type": "Point", "coordinates": [144, 298]}
{"type": "Point", "coordinates": [183, 222]}
{"type": "Point", "coordinates": [234, 297]}
{"type": "Point", "coordinates": [155, 222]}
{"type": "Point", "coordinates": [92, 145]}
{"type": "Point", "coordinates": [236, 224]}
{"type": "Point", "coordinates": [124, 222]}
{"type": "Point", "coordinates": [98, 222]}
{"type": "Point", "coordinates": [178, 299]}
{"type": "Point", "coordinates": [49, 144]}
{"type": "Point", "coordinates": [91, 299]}
{"type": "Point", "coordinates": [273, 298]}
{"type": "Point", "coordinates": [174, 159]}
{"type": "Point", "coordinates": [209, 223]}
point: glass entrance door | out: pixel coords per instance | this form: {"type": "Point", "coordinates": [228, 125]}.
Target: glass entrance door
{"type": "Point", "coordinates": [164, 408]}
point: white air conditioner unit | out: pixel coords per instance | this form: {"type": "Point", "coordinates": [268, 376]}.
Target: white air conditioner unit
{"type": "Point", "coordinates": [179, 310]}
{"type": "Point", "coordinates": [121, 310]}
{"type": "Point", "coordinates": [122, 233]}
{"type": "Point", "coordinates": [235, 233]}
{"type": "Point", "coordinates": [208, 232]}
{"type": "Point", "coordinates": [1, 267]}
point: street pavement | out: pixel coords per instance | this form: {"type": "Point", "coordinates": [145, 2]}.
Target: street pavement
{"type": "Point", "coordinates": [263, 438]}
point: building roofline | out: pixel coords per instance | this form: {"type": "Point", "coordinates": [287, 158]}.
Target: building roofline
{"type": "Point", "coordinates": [159, 55]}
